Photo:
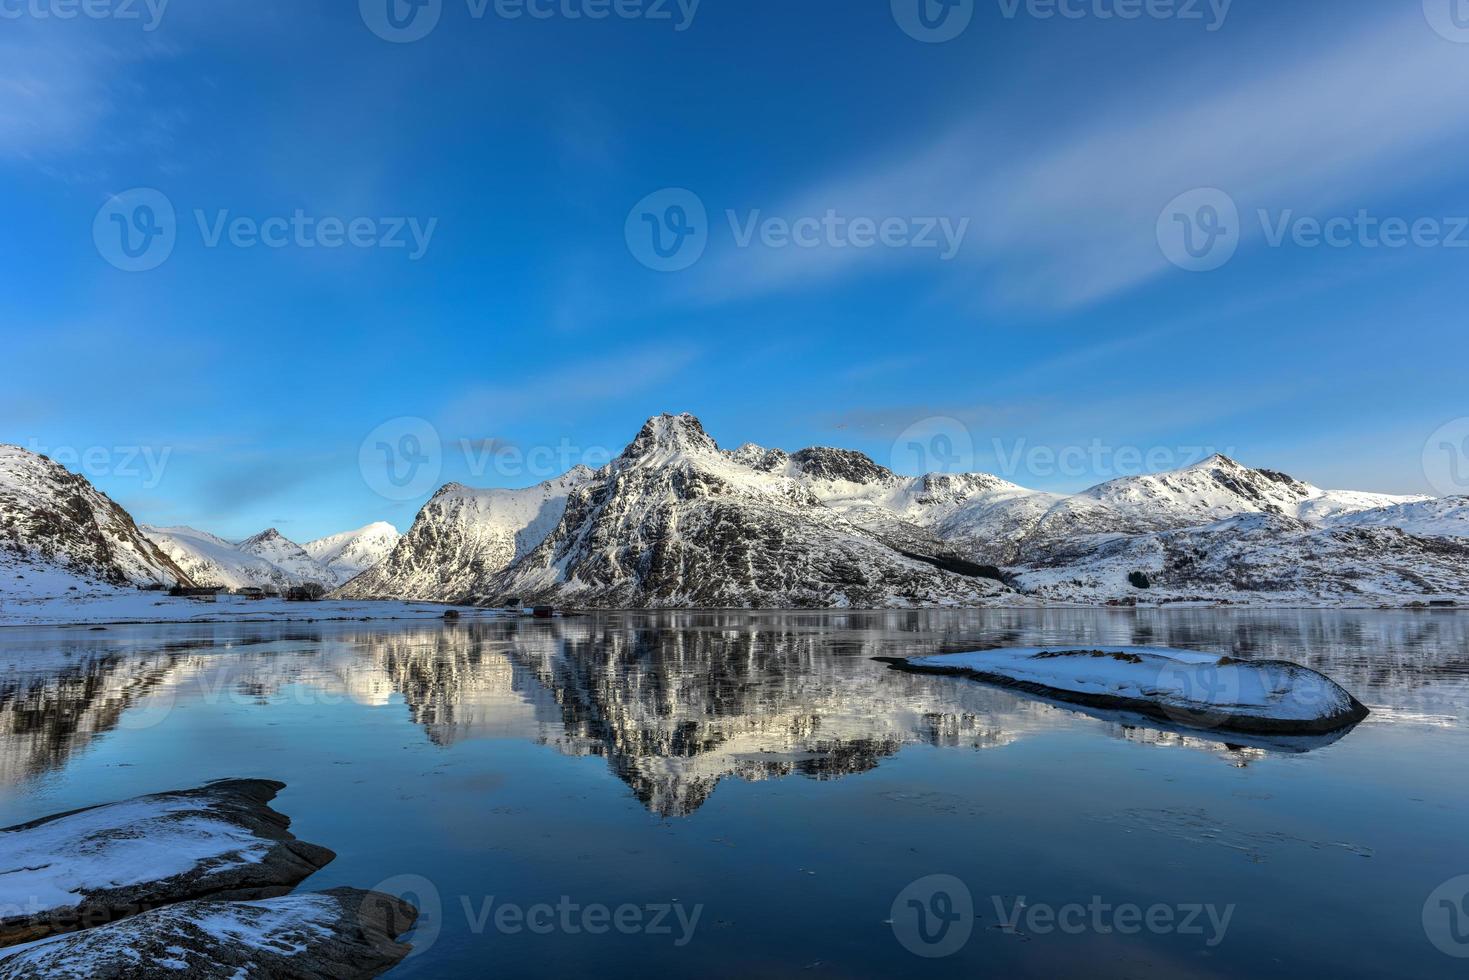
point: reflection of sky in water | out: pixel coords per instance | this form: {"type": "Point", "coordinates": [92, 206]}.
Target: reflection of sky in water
{"type": "Point", "coordinates": [766, 767]}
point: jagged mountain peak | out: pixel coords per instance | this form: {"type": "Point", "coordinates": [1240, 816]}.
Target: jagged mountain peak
{"type": "Point", "coordinates": [270, 534]}
{"type": "Point", "coordinates": [663, 436]}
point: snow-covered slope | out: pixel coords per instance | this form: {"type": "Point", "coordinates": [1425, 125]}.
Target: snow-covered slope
{"type": "Point", "coordinates": [463, 537]}
{"type": "Point", "coordinates": [213, 561]}
{"type": "Point", "coordinates": [673, 521]}
{"type": "Point", "coordinates": [1258, 558]}
{"type": "Point", "coordinates": [351, 553]}
{"type": "Point", "coordinates": [1444, 517]}
{"type": "Point", "coordinates": [289, 557]}
{"type": "Point", "coordinates": [1216, 489]}
{"type": "Point", "coordinates": [54, 520]}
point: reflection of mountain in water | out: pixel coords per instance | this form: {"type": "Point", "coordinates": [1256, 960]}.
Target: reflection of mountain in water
{"type": "Point", "coordinates": [677, 702]}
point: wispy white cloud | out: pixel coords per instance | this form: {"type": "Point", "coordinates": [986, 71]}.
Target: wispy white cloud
{"type": "Point", "coordinates": [1069, 218]}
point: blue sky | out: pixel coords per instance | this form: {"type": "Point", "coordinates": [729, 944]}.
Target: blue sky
{"type": "Point", "coordinates": [236, 385]}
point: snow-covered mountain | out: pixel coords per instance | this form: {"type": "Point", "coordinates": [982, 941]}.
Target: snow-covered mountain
{"type": "Point", "coordinates": [673, 521]}
{"type": "Point", "coordinates": [463, 538]}
{"type": "Point", "coordinates": [351, 553]}
{"type": "Point", "coordinates": [288, 556]}
{"type": "Point", "coordinates": [676, 521]}
{"type": "Point", "coordinates": [213, 561]}
{"type": "Point", "coordinates": [54, 520]}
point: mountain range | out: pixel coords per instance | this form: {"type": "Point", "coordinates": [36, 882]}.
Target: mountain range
{"type": "Point", "coordinates": [676, 521]}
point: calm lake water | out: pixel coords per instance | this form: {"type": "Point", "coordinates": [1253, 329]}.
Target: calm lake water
{"type": "Point", "coordinates": [609, 778]}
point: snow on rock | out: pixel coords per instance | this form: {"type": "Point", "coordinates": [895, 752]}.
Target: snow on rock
{"type": "Point", "coordinates": [1445, 517]}
{"type": "Point", "coordinates": [1186, 687]}
{"type": "Point", "coordinates": [351, 553]}
{"type": "Point", "coordinates": [213, 561]}
{"type": "Point", "coordinates": [289, 557]}
{"type": "Point", "coordinates": [463, 537]}
{"type": "Point", "coordinates": [675, 522]}
{"type": "Point", "coordinates": [343, 932]}
{"type": "Point", "coordinates": [50, 516]}
{"type": "Point", "coordinates": [1260, 559]}
{"type": "Point", "coordinates": [88, 867]}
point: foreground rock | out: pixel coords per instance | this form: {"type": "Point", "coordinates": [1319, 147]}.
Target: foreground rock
{"type": "Point", "coordinates": [345, 932]}
{"type": "Point", "coordinates": [89, 867]}
{"type": "Point", "coordinates": [1204, 690]}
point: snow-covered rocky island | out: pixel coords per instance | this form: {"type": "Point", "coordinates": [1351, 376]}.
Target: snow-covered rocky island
{"type": "Point", "coordinates": [1184, 687]}
{"type": "Point", "coordinates": [191, 882]}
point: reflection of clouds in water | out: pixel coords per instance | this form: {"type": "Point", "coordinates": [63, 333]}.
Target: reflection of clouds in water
{"type": "Point", "coordinates": [677, 702]}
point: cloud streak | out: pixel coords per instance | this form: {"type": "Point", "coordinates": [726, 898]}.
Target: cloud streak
{"type": "Point", "coordinates": [1069, 218]}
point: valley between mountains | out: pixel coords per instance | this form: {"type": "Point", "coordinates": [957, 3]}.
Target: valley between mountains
{"type": "Point", "coordinates": [676, 521]}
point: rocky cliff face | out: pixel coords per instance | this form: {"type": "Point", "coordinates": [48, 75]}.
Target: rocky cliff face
{"type": "Point", "coordinates": [673, 522]}
{"type": "Point", "coordinates": [52, 517]}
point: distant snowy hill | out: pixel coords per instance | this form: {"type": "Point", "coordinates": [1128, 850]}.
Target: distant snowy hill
{"type": "Point", "coordinates": [1445, 517]}
{"type": "Point", "coordinates": [54, 520]}
{"type": "Point", "coordinates": [351, 553]}
{"type": "Point", "coordinates": [676, 521]}
{"type": "Point", "coordinates": [213, 561]}
{"type": "Point", "coordinates": [288, 556]}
